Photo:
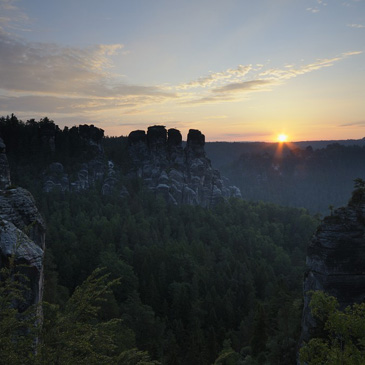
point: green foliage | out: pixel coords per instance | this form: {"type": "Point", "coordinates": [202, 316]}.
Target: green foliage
{"type": "Point", "coordinates": [343, 339]}
{"type": "Point", "coordinates": [308, 178]}
{"type": "Point", "coordinates": [227, 356]}
{"type": "Point", "coordinates": [358, 195]}
{"type": "Point", "coordinates": [18, 330]}
{"type": "Point", "coordinates": [32, 145]}
{"type": "Point", "coordinates": [192, 280]}
{"type": "Point", "coordinates": [190, 277]}
{"type": "Point", "coordinates": [73, 334]}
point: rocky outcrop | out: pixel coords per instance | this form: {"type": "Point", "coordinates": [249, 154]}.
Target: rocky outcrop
{"type": "Point", "coordinates": [55, 177]}
{"type": "Point", "coordinates": [181, 175]}
{"type": "Point", "coordinates": [4, 167]}
{"type": "Point", "coordinates": [86, 144]}
{"type": "Point", "coordinates": [22, 233]}
{"type": "Point", "coordinates": [335, 259]}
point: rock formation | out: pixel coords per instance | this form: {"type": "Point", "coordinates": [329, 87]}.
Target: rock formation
{"type": "Point", "coordinates": [86, 140]}
{"type": "Point", "coordinates": [181, 175]}
{"type": "Point", "coordinates": [22, 233]}
{"type": "Point", "coordinates": [4, 167]}
{"type": "Point", "coordinates": [336, 258]}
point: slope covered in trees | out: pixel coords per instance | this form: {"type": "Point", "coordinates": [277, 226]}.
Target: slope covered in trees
{"type": "Point", "coordinates": [197, 286]}
{"type": "Point", "coordinates": [292, 174]}
{"type": "Point", "coordinates": [191, 278]}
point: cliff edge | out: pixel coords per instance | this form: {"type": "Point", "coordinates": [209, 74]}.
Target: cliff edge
{"type": "Point", "coordinates": [336, 257]}
{"type": "Point", "coordinates": [22, 233]}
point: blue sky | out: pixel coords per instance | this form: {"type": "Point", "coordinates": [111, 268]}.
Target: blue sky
{"type": "Point", "coordinates": [235, 69]}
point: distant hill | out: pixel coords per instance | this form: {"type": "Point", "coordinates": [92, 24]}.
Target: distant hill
{"type": "Point", "coordinates": [222, 152]}
{"type": "Point", "coordinates": [309, 174]}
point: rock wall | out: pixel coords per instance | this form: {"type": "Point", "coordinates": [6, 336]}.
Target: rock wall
{"type": "Point", "coordinates": [181, 175]}
{"type": "Point", "coordinates": [87, 140]}
{"type": "Point", "coordinates": [4, 167]}
{"type": "Point", "coordinates": [22, 233]}
{"type": "Point", "coordinates": [336, 259]}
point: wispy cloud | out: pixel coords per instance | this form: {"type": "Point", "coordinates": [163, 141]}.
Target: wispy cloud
{"type": "Point", "coordinates": [313, 10]}
{"type": "Point", "coordinates": [244, 86]}
{"type": "Point", "coordinates": [237, 73]}
{"type": "Point", "coordinates": [353, 124]}
{"type": "Point", "coordinates": [358, 26]}
{"type": "Point", "coordinates": [51, 77]}
{"type": "Point", "coordinates": [316, 8]}
{"type": "Point", "coordinates": [13, 18]}
{"type": "Point", "coordinates": [258, 80]}
{"type": "Point", "coordinates": [233, 91]}
{"type": "Point", "coordinates": [291, 71]}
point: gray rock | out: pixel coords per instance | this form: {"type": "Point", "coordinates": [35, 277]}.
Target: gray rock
{"type": "Point", "coordinates": [335, 261]}
{"type": "Point", "coordinates": [183, 176]}
{"type": "Point", "coordinates": [4, 167]}
{"type": "Point", "coordinates": [18, 207]}
{"type": "Point", "coordinates": [22, 234]}
{"type": "Point", "coordinates": [56, 168]}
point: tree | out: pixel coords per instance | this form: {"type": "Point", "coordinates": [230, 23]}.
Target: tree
{"type": "Point", "coordinates": [343, 339]}
{"type": "Point", "coordinates": [18, 330]}
{"type": "Point", "coordinates": [358, 195]}
{"type": "Point", "coordinates": [74, 334]}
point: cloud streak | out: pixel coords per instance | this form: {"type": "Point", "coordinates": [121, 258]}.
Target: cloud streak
{"type": "Point", "coordinates": [246, 86]}
{"type": "Point", "coordinates": [51, 78]}
{"type": "Point", "coordinates": [258, 79]}
{"type": "Point", "coordinates": [353, 124]}
{"type": "Point", "coordinates": [214, 78]}
{"type": "Point", "coordinates": [358, 26]}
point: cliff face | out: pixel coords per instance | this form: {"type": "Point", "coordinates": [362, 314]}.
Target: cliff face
{"type": "Point", "coordinates": [22, 232]}
{"type": "Point", "coordinates": [87, 140]}
{"type": "Point", "coordinates": [181, 175]}
{"type": "Point", "coordinates": [335, 259]}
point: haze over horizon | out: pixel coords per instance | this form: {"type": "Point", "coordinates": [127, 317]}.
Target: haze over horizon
{"type": "Point", "coordinates": [236, 70]}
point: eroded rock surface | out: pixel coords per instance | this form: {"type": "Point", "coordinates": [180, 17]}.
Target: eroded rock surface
{"type": "Point", "coordinates": [94, 169]}
{"type": "Point", "coordinates": [336, 259]}
{"type": "Point", "coordinates": [181, 175]}
{"type": "Point", "coordinates": [22, 233]}
{"type": "Point", "coordinates": [4, 167]}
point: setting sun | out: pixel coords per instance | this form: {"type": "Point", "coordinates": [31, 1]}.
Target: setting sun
{"type": "Point", "coordinates": [282, 137]}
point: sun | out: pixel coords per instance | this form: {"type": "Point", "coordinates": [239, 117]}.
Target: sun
{"type": "Point", "coordinates": [282, 137]}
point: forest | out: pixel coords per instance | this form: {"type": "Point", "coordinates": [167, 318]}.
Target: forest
{"type": "Point", "coordinates": [312, 175]}
{"type": "Point", "coordinates": [173, 284]}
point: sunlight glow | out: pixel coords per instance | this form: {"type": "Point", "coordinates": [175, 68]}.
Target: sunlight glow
{"type": "Point", "coordinates": [282, 138]}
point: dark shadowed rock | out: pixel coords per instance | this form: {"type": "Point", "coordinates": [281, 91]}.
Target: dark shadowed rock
{"type": "Point", "coordinates": [174, 138]}
{"type": "Point", "coordinates": [136, 137]}
{"type": "Point", "coordinates": [22, 234]}
{"type": "Point", "coordinates": [18, 207]}
{"type": "Point", "coordinates": [335, 259]}
{"type": "Point", "coordinates": [174, 147]}
{"type": "Point", "coordinates": [95, 168]}
{"type": "Point", "coordinates": [156, 137]}
{"type": "Point", "coordinates": [15, 242]}
{"type": "Point", "coordinates": [181, 176]}
{"type": "Point", "coordinates": [47, 132]}
{"type": "Point", "coordinates": [195, 143]}
{"type": "Point", "coordinates": [4, 167]}
{"type": "Point", "coordinates": [91, 134]}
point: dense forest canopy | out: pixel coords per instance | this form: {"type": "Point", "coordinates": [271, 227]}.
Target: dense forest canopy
{"type": "Point", "coordinates": [292, 174]}
{"type": "Point", "coordinates": [197, 285]}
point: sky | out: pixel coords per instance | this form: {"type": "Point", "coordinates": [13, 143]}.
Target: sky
{"type": "Point", "coordinates": [237, 70]}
